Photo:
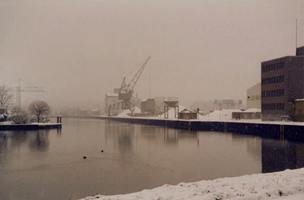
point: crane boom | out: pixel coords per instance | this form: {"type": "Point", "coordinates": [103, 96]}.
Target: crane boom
{"type": "Point", "coordinates": [133, 82]}
{"type": "Point", "coordinates": [126, 91]}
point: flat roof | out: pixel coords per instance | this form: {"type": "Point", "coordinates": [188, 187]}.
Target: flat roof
{"type": "Point", "coordinates": [281, 58]}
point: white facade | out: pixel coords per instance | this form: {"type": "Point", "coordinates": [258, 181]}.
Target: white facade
{"type": "Point", "coordinates": [111, 99]}
{"type": "Point", "coordinates": [254, 96]}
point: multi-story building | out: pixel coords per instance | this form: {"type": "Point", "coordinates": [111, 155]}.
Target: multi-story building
{"type": "Point", "coordinates": [282, 83]}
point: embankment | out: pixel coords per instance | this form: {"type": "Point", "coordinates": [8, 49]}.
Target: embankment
{"type": "Point", "coordinates": [276, 130]}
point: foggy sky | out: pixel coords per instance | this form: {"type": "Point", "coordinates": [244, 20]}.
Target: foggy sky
{"type": "Point", "coordinates": [79, 50]}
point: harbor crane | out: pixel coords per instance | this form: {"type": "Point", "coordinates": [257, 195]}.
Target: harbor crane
{"type": "Point", "coordinates": [126, 91]}
{"type": "Point", "coordinates": [18, 90]}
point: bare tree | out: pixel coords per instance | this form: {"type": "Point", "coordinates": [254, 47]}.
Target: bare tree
{"type": "Point", "coordinates": [5, 96]}
{"type": "Point", "coordinates": [19, 116]}
{"type": "Point", "coordinates": [39, 109]}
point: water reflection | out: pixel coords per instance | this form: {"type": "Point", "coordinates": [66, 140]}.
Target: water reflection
{"type": "Point", "coordinates": [38, 140]}
{"type": "Point", "coordinates": [135, 157]}
{"type": "Point", "coordinates": [281, 155]}
{"type": "Point", "coordinates": [123, 134]}
{"type": "Point", "coordinates": [3, 142]}
{"type": "Point", "coordinates": [59, 132]}
{"type": "Point", "coordinates": [148, 132]}
{"type": "Point", "coordinates": [125, 144]}
{"type": "Point", "coordinates": [170, 136]}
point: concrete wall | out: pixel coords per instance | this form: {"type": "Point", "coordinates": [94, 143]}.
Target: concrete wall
{"type": "Point", "coordinates": [254, 96]}
{"type": "Point", "coordinates": [276, 131]}
{"type": "Point", "coordinates": [299, 111]}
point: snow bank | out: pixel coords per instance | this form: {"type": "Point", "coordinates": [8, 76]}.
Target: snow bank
{"type": "Point", "coordinates": [126, 112]}
{"type": "Point", "coordinates": [171, 113]}
{"type": "Point", "coordinates": [6, 123]}
{"type": "Point", "coordinates": [286, 185]}
{"type": "Point", "coordinates": [218, 115]}
{"type": "Point", "coordinates": [252, 110]}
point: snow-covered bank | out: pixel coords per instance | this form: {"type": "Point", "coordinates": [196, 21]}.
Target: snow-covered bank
{"type": "Point", "coordinates": [286, 185]}
{"type": "Point", "coordinates": [215, 116]}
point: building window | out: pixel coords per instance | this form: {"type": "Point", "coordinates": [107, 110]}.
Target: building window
{"type": "Point", "coordinates": [273, 80]}
{"type": "Point", "coordinates": [271, 93]}
{"type": "Point", "coordinates": [280, 106]}
{"type": "Point", "coordinates": [273, 106]}
{"type": "Point", "coordinates": [272, 67]}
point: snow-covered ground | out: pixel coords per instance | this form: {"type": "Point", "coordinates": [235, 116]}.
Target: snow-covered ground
{"type": "Point", "coordinates": [217, 115]}
{"type": "Point", "coordinates": [285, 185]}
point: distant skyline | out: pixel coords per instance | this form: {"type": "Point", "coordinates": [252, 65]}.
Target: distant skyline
{"type": "Point", "coordinates": [79, 50]}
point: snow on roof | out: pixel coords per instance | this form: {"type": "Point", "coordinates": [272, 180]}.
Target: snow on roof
{"type": "Point", "coordinates": [299, 99]}
{"type": "Point", "coordinates": [252, 110]}
{"type": "Point", "coordinates": [218, 115]}
{"type": "Point", "coordinates": [286, 185]}
{"type": "Point", "coordinates": [186, 111]}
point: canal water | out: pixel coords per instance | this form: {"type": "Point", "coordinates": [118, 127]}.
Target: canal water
{"type": "Point", "coordinates": [124, 158]}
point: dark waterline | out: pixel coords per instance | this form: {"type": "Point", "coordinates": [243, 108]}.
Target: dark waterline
{"type": "Point", "coordinates": [50, 164]}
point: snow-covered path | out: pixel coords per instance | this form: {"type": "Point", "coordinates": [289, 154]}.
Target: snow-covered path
{"type": "Point", "coordinates": [286, 185]}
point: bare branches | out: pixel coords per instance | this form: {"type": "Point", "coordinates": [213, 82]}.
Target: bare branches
{"type": "Point", "coordinates": [39, 109]}
{"type": "Point", "coordinates": [5, 96]}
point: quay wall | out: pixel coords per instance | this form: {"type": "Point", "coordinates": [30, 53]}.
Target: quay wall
{"type": "Point", "coordinates": [283, 131]}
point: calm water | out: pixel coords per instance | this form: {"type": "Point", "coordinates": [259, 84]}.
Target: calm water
{"type": "Point", "coordinates": [49, 164]}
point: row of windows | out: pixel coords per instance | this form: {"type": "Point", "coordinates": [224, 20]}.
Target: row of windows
{"type": "Point", "coordinates": [272, 67]}
{"type": "Point", "coordinates": [273, 106]}
{"type": "Point", "coordinates": [254, 97]}
{"type": "Point", "coordinates": [273, 93]}
{"type": "Point", "coordinates": [273, 80]}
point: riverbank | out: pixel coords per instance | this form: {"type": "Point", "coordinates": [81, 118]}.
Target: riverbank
{"type": "Point", "coordinates": [33, 126]}
{"type": "Point", "coordinates": [282, 130]}
{"type": "Point", "coordinates": [285, 185]}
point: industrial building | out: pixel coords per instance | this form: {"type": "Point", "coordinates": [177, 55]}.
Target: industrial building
{"type": "Point", "coordinates": [254, 96]}
{"type": "Point", "coordinates": [282, 83]}
{"type": "Point", "coordinates": [153, 106]}
{"type": "Point", "coordinates": [111, 100]}
{"type": "Point", "coordinates": [188, 114]}
{"type": "Point", "coordinates": [227, 104]}
{"type": "Point", "coordinates": [113, 105]}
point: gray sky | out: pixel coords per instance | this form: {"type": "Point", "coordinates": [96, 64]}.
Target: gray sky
{"type": "Point", "coordinates": [78, 50]}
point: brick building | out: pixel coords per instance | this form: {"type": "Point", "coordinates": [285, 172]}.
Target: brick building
{"type": "Point", "coordinates": [282, 82]}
